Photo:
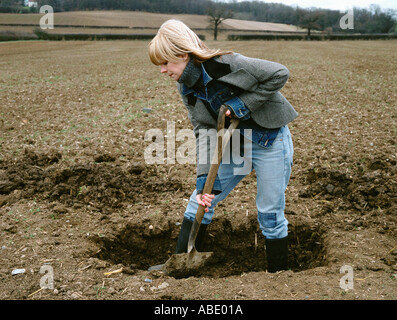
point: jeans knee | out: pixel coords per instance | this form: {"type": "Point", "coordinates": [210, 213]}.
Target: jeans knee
{"type": "Point", "coordinates": [273, 225]}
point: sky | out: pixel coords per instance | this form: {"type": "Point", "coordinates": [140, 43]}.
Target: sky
{"type": "Point", "coordinates": [342, 5]}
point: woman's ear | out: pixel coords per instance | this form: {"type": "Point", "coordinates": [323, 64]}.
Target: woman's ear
{"type": "Point", "coordinates": [185, 57]}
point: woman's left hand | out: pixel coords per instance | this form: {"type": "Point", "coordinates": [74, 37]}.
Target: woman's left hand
{"type": "Point", "coordinates": [205, 200]}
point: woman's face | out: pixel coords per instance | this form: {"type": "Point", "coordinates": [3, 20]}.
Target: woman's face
{"type": "Point", "coordinates": [175, 69]}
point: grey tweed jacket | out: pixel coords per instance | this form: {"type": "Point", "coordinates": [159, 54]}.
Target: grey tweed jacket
{"type": "Point", "coordinates": [261, 81]}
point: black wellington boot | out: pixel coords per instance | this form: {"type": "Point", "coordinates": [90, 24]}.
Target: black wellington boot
{"type": "Point", "coordinates": [277, 254]}
{"type": "Point", "coordinates": [183, 239]}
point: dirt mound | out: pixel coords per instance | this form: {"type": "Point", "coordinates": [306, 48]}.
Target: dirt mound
{"type": "Point", "coordinates": [371, 185]}
{"type": "Point", "coordinates": [100, 182]}
{"type": "Point", "coordinates": [363, 197]}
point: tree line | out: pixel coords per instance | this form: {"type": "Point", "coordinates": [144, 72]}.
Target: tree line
{"type": "Point", "coordinates": [366, 20]}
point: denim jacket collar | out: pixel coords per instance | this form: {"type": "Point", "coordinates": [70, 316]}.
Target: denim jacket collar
{"type": "Point", "coordinates": [206, 77]}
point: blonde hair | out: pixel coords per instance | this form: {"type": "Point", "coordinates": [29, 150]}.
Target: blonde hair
{"type": "Point", "coordinates": [174, 39]}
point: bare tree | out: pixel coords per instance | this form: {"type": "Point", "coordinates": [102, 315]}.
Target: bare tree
{"type": "Point", "coordinates": [309, 20]}
{"type": "Point", "coordinates": [218, 13]}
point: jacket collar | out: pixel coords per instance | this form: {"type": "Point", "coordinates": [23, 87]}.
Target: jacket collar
{"type": "Point", "coordinates": [217, 69]}
{"type": "Point", "coordinates": [211, 69]}
{"type": "Point", "coordinates": [191, 74]}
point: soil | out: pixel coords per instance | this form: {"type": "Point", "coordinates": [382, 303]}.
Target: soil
{"type": "Point", "coordinates": [77, 195]}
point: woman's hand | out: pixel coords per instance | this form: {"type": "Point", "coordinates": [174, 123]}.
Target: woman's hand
{"type": "Point", "coordinates": [205, 200]}
{"type": "Point", "coordinates": [228, 113]}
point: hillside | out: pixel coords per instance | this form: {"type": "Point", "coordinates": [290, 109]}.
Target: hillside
{"type": "Point", "coordinates": [134, 19]}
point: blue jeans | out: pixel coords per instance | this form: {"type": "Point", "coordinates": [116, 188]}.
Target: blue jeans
{"type": "Point", "coordinates": [273, 168]}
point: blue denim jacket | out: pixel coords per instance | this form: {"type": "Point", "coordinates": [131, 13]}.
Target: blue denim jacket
{"type": "Point", "coordinates": [216, 94]}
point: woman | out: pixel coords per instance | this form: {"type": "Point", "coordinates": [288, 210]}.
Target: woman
{"type": "Point", "coordinates": [249, 87]}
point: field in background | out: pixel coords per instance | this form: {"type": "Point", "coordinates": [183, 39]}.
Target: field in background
{"type": "Point", "coordinates": [135, 22]}
{"type": "Point", "coordinates": [76, 193]}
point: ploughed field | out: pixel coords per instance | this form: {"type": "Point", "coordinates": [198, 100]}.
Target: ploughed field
{"type": "Point", "coordinates": [77, 195]}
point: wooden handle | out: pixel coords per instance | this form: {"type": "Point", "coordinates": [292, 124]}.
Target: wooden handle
{"type": "Point", "coordinates": [221, 142]}
{"type": "Point", "coordinates": [216, 161]}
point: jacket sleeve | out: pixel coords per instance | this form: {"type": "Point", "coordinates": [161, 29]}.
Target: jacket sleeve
{"type": "Point", "coordinates": [238, 107]}
{"type": "Point", "coordinates": [270, 76]}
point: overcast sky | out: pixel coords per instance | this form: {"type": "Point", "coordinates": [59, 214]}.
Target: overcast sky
{"type": "Point", "coordinates": [342, 5]}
